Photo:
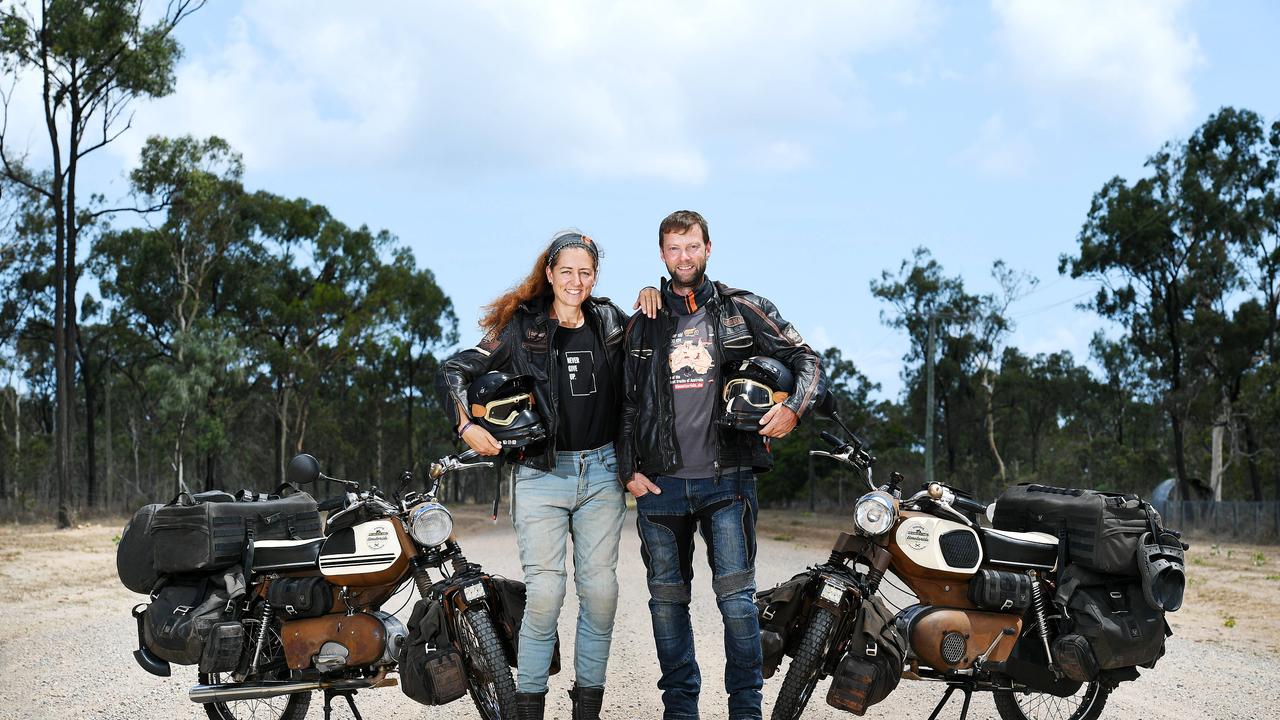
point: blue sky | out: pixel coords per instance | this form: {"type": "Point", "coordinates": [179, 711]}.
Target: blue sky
{"type": "Point", "coordinates": [822, 140]}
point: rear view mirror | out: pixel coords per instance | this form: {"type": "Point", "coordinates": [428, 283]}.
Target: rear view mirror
{"type": "Point", "coordinates": [303, 469]}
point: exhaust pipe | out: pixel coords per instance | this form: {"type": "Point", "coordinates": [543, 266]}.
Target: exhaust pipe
{"type": "Point", "coordinates": [232, 692]}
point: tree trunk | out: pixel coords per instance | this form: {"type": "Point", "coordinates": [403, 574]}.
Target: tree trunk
{"type": "Point", "coordinates": [90, 437]}
{"type": "Point", "coordinates": [991, 425]}
{"type": "Point", "coordinates": [1251, 459]}
{"type": "Point", "coordinates": [109, 475]}
{"type": "Point", "coordinates": [1216, 467]}
{"type": "Point", "coordinates": [1179, 458]}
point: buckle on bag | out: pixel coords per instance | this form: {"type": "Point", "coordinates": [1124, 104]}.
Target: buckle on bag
{"type": "Point", "coordinates": [872, 649]}
{"type": "Point", "coordinates": [182, 610]}
{"type": "Point", "coordinates": [768, 613]}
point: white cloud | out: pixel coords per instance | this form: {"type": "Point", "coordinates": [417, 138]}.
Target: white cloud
{"type": "Point", "coordinates": [819, 339]}
{"type": "Point", "coordinates": [1130, 61]}
{"type": "Point", "coordinates": [601, 90]}
{"type": "Point", "coordinates": [999, 152]}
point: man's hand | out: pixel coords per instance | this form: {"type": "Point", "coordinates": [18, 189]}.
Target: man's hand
{"type": "Point", "coordinates": [648, 301]}
{"type": "Point", "coordinates": [779, 421]}
{"type": "Point", "coordinates": [479, 439]}
{"type": "Point", "coordinates": [639, 486]}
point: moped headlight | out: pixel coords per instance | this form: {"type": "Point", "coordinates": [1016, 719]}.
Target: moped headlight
{"type": "Point", "coordinates": [430, 524]}
{"type": "Point", "coordinates": [875, 513]}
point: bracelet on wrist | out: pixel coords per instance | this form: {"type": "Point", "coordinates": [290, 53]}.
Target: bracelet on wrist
{"type": "Point", "coordinates": [463, 429]}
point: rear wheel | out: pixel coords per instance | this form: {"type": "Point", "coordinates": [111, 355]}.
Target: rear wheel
{"type": "Point", "coordinates": [1086, 704]}
{"type": "Point", "coordinates": [488, 675]}
{"type": "Point", "coordinates": [802, 675]}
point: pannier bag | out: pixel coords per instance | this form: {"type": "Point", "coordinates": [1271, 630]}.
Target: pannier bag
{"type": "Point", "coordinates": [300, 597]}
{"type": "Point", "coordinates": [1101, 528]}
{"type": "Point", "coordinates": [1111, 626]}
{"type": "Point", "coordinates": [778, 608]}
{"type": "Point", "coordinates": [431, 670]}
{"type": "Point", "coordinates": [184, 611]}
{"type": "Point", "coordinates": [872, 667]}
{"type": "Point", "coordinates": [508, 614]}
{"type": "Point", "coordinates": [135, 554]}
{"type": "Point", "coordinates": [191, 536]}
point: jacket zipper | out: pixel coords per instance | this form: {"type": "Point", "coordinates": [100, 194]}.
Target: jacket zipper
{"type": "Point", "coordinates": [715, 430]}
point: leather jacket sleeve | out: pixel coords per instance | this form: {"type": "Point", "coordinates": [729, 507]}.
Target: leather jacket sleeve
{"type": "Point", "coordinates": [778, 338]}
{"type": "Point", "coordinates": [632, 374]}
{"type": "Point", "coordinates": [456, 373]}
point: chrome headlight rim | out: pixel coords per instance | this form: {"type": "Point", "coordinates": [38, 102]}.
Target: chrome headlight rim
{"type": "Point", "coordinates": [862, 512]}
{"type": "Point", "coordinates": [430, 524]}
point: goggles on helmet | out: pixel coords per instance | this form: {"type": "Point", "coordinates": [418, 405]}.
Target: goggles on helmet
{"type": "Point", "coordinates": [503, 411]}
{"type": "Point", "coordinates": [752, 393]}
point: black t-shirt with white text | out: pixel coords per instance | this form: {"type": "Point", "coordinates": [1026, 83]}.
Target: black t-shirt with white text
{"type": "Point", "coordinates": [587, 417]}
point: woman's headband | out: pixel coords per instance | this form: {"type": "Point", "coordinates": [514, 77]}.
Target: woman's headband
{"type": "Point", "coordinates": [571, 240]}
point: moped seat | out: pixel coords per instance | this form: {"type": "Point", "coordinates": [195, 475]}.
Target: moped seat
{"type": "Point", "coordinates": [286, 555]}
{"type": "Point", "coordinates": [1020, 549]}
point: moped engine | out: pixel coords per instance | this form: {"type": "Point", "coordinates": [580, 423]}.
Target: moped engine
{"type": "Point", "coordinates": [951, 639]}
{"type": "Point", "coordinates": [334, 642]}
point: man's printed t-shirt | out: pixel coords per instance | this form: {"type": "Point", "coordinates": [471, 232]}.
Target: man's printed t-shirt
{"type": "Point", "coordinates": [694, 368]}
{"type": "Point", "coordinates": [587, 417]}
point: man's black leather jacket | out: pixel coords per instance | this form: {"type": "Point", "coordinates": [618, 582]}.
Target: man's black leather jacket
{"type": "Point", "coordinates": [525, 347]}
{"type": "Point", "coordinates": [745, 325]}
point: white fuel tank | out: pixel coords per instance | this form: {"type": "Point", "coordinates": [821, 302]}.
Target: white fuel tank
{"type": "Point", "coordinates": [938, 544]}
{"type": "Point", "coordinates": [363, 554]}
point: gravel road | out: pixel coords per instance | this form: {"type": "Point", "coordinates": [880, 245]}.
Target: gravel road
{"type": "Point", "coordinates": [66, 653]}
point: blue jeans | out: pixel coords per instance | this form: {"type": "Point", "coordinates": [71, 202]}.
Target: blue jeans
{"type": "Point", "coordinates": [724, 515]}
{"type": "Point", "coordinates": [580, 498]}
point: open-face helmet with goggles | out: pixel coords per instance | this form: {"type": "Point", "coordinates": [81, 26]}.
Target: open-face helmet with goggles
{"type": "Point", "coordinates": [754, 386]}
{"type": "Point", "coordinates": [503, 404]}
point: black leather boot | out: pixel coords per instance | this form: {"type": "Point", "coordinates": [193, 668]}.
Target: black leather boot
{"type": "Point", "coordinates": [529, 706]}
{"type": "Point", "coordinates": [586, 702]}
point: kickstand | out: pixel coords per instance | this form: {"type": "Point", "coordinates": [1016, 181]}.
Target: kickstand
{"type": "Point", "coordinates": [350, 695]}
{"type": "Point", "coordinates": [966, 688]}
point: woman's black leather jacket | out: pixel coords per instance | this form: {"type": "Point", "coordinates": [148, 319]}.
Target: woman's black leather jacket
{"type": "Point", "coordinates": [525, 347]}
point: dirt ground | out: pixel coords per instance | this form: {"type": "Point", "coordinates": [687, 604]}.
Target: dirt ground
{"type": "Point", "coordinates": [66, 649]}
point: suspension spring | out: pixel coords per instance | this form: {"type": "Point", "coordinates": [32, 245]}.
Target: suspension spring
{"type": "Point", "coordinates": [1042, 615]}
{"type": "Point", "coordinates": [264, 626]}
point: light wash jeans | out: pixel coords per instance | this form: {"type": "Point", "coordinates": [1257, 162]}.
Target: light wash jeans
{"type": "Point", "coordinates": [581, 498]}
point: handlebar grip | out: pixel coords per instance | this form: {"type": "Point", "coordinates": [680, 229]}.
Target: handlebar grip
{"type": "Point", "coordinates": [970, 505]}
{"type": "Point", "coordinates": [832, 440]}
{"type": "Point", "coordinates": [332, 503]}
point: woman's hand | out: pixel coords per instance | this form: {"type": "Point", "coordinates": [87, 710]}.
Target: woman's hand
{"type": "Point", "coordinates": [648, 302]}
{"type": "Point", "coordinates": [479, 439]}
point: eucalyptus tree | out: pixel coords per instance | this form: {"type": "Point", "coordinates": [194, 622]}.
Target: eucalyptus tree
{"type": "Point", "coordinates": [92, 59]}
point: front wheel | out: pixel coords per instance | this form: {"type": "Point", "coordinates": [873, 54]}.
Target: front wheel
{"type": "Point", "coordinates": [802, 675]}
{"type": "Point", "coordinates": [488, 676]}
{"type": "Point", "coordinates": [1086, 704]}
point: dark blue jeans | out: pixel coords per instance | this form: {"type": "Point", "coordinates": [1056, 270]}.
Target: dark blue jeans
{"type": "Point", "coordinates": [724, 515]}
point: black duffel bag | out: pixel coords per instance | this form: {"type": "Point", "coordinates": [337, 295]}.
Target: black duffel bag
{"type": "Point", "coordinates": [194, 536]}
{"type": "Point", "coordinates": [778, 609]}
{"type": "Point", "coordinates": [1110, 627]}
{"type": "Point", "coordinates": [431, 670]}
{"type": "Point", "coordinates": [1101, 528]}
{"type": "Point", "coordinates": [135, 554]}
